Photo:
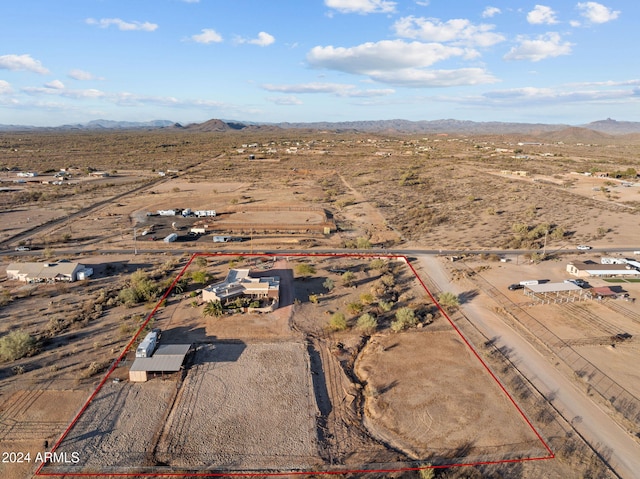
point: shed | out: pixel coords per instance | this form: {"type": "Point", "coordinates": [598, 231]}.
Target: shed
{"type": "Point", "coordinates": [168, 358]}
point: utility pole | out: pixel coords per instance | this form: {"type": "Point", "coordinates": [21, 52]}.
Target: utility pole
{"type": "Point", "coordinates": [544, 250]}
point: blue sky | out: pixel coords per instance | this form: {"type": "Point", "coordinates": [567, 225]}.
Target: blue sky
{"type": "Point", "coordinates": [557, 61]}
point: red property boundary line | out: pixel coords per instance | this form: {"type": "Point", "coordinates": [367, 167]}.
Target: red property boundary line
{"type": "Point", "coordinates": [403, 258]}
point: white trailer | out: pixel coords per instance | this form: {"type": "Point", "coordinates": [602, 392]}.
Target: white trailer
{"type": "Point", "coordinates": [203, 213]}
{"type": "Point", "coordinates": [147, 346]}
{"type": "Point", "coordinates": [529, 282]}
{"type": "Point", "coordinates": [221, 239]}
{"type": "Point", "coordinates": [167, 212]}
{"type": "Point", "coordinates": [171, 238]}
{"type": "Point", "coordinates": [186, 212]}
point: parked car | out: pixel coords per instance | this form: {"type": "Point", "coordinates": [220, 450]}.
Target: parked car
{"type": "Point", "coordinates": [578, 282]}
{"type": "Point", "coordinates": [23, 248]}
{"type": "Point", "coordinates": [514, 286]}
{"type": "Point", "coordinates": [583, 247]}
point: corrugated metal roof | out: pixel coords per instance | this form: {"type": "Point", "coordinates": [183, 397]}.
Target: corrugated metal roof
{"type": "Point", "coordinates": [172, 350]}
{"type": "Point", "coordinates": [167, 358]}
{"type": "Point", "coordinates": [553, 287]}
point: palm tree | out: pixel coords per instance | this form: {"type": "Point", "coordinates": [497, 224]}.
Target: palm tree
{"type": "Point", "coordinates": [213, 308]}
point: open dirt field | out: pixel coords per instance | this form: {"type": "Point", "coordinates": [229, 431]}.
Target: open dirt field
{"type": "Point", "coordinates": [443, 404]}
{"type": "Point", "coordinates": [253, 403]}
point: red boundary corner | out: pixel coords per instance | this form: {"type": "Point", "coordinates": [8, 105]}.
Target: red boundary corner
{"type": "Point", "coordinates": [39, 472]}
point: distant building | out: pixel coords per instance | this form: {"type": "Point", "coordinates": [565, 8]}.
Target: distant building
{"type": "Point", "coordinates": [239, 282]}
{"type": "Point", "coordinates": [585, 270]}
{"type": "Point", "coordinates": [48, 272]}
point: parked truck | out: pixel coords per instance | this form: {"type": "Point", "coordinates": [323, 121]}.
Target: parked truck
{"type": "Point", "coordinates": [147, 346]}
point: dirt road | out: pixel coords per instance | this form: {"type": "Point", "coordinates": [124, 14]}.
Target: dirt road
{"type": "Point", "coordinates": [586, 416]}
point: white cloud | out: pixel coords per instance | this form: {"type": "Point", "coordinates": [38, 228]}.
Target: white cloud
{"type": "Point", "coordinates": [400, 63]}
{"type": "Point", "coordinates": [542, 14]}
{"type": "Point", "coordinates": [64, 92]}
{"type": "Point", "coordinates": [264, 39]}
{"type": "Point", "coordinates": [5, 88]}
{"type": "Point", "coordinates": [362, 6]}
{"type": "Point", "coordinates": [381, 56]}
{"type": "Point", "coordinates": [207, 36]}
{"type": "Point", "coordinates": [285, 100]}
{"type": "Point", "coordinates": [21, 63]}
{"type": "Point", "coordinates": [338, 89]}
{"type": "Point", "coordinates": [82, 75]}
{"type": "Point", "coordinates": [491, 12]}
{"type": "Point", "coordinates": [457, 31]}
{"type": "Point", "coordinates": [420, 78]}
{"type": "Point", "coordinates": [55, 84]}
{"type": "Point", "coordinates": [122, 25]}
{"type": "Point", "coordinates": [544, 46]}
{"type": "Point", "coordinates": [597, 13]}
{"type": "Point", "coordinates": [533, 95]}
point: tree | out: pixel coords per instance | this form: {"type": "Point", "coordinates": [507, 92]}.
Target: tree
{"type": "Point", "coordinates": [200, 277]}
{"type": "Point", "coordinates": [367, 324]}
{"type": "Point", "coordinates": [16, 345]}
{"type": "Point", "coordinates": [448, 300]}
{"type": "Point", "coordinates": [304, 270]}
{"type": "Point", "coordinates": [405, 319]}
{"type": "Point", "coordinates": [213, 308]}
{"type": "Point", "coordinates": [338, 322]}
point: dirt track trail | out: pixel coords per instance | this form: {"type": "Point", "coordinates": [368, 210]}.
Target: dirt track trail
{"type": "Point", "coordinates": [587, 418]}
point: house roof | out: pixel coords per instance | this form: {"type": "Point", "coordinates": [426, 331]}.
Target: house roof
{"type": "Point", "coordinates": [43, 270]}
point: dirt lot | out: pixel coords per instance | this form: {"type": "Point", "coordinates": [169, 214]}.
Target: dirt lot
{"type": "Point", "coordinates": [444, 404]}
{"type": "Point", "coordinates": [254, 402]}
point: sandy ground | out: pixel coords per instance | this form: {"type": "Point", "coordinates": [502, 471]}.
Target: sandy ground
{"type": "Point", "coordinates": [115, 433]}
{"type": "Point", "coordinates": [254, 402]}
{"type": "Point", "coordinates": [444, 405]}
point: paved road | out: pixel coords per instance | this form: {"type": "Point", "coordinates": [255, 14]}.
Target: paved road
{"type": "Point", "coordinates": [586, 416]}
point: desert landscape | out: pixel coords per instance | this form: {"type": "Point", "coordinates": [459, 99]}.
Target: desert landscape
{"type": "Point", "coordinates": [313, 387]}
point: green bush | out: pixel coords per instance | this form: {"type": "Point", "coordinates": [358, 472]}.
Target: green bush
{"type": "Point", "coordinates": [367, 324]}
{"type": "Point", "coordinates": [16, 345]}
{"type": "Point", "coordinates": [405, 319]}
{"type": "Point", "coordinates": [338, 322]}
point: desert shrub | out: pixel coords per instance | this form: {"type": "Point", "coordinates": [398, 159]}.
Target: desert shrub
{"type": "Point", "coordinates": [348, 278]}
{"type": "Point", "coordinates": [355, 308]}
{"type": "Point", "coordinates": [385, 306]}
{"type": "Point", "coordinates": [379, 264]}
{"type": "Point", "coordinates": [313, 298]}
{"type": "Point", "coordinates": [405, 319]}
{"type": "Point", "coordinates": [338, 322]}
{"type": "Point", "coordinates": [304, 270]}
{"type": "Point", "coordinates": [448, 300]}
{"type": "Point", "coordinates": [16, 345]}
{"type": "Point", "coordinates": [367, 324]}
{"type": "Point", "coordinates": [328, 284]}
{"type": "Point", "coordinates": [366, 298]}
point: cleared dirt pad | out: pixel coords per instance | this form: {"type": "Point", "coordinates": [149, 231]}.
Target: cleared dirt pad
{"type": "Point", "coordinates": [116, 432]}
{"type": "Point", "coordinates": [242, 407]}
{"type": "Point", "coordinates": [424, 399]}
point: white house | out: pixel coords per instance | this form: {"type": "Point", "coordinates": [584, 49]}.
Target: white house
{"type": "Point", "coordinates": [47, 272]}
{"type": "Point", "coordinates": [239, 283]}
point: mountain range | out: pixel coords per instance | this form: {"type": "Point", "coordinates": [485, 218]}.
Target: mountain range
{"type": "Point", "coordinates": [607, 127]}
